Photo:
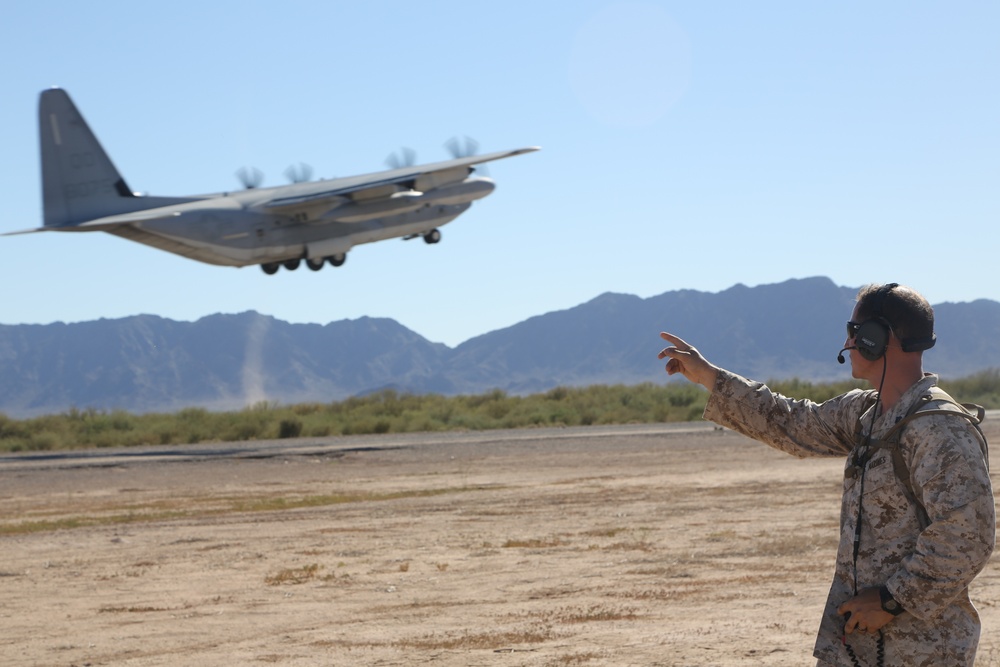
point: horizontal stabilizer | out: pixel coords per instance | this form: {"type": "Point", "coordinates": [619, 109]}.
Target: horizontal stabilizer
{"type": "Point", "coordinates": [103, 224]}
{"type": "Point", "coordinates": [127, 219]}
{"type": "Point", "coordinates": [27, 231]}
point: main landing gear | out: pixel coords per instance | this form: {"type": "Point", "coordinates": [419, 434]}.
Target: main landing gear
{"type": "Point", "coordinates": [314, 263]}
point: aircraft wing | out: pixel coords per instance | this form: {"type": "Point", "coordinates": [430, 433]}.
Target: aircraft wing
{"type": "Point", "coordinates": [373, 186]}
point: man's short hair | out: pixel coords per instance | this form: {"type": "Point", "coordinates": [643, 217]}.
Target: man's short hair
{"type": "Point", "coordinates": [908, 313]}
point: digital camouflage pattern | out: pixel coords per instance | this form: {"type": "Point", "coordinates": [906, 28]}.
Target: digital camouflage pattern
{"type": "Point", "coordinates": [927, 570]}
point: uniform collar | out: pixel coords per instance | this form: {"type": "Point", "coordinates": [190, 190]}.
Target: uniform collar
{"type": "Point", "coordinates": [922, 386]}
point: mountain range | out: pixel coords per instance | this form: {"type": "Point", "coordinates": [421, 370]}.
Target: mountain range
{"type": "Point", "coordinates": [146, 363]}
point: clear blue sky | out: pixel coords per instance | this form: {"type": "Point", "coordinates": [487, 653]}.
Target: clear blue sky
{"type": "Point", "coordinates": [685, 146]}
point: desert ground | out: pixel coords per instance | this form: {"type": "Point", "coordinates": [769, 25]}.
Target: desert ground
{"type": "Point", "coordinates": [638, 545]}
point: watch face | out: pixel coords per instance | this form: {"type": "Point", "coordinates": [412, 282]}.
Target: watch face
{"type": "Point", "coordinates": [891, 605]}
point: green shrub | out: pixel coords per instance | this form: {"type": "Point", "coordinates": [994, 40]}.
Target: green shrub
{"type": "Point", "coordinates": [289, 428]}
{"type": "Point", "coordinates": [393, 412]}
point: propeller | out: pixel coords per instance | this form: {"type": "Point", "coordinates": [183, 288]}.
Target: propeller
{"type": "Point", "coordinates": [299, 173]}
{"type": "Point", "coordinates": [460, 147]}
{"type": "Point", "coordinates": [404, 157]}
{"type": "Point", "coordinates": [250, 177]}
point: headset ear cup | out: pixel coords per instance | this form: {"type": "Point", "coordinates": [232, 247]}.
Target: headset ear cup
{"type": "Point", "coordinates": [872, 339]}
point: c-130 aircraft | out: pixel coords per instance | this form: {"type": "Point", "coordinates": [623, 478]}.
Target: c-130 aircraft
{"type": "Point", "coordinates": [315, 221]}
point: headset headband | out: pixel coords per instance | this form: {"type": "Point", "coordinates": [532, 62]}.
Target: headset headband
{"type": "Point", "coordinates": [879, 305]}
{"type": "Point", "coordinates": [912, 344]}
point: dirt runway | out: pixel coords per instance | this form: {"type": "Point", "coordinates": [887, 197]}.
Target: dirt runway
{"type": "Point", "coordinates": [606, 546]}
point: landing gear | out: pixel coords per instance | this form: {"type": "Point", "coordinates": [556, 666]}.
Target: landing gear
{"type": "Point", "coordinates": [432, 236]}
{"type": "Point", "coordinates": [314, 263]}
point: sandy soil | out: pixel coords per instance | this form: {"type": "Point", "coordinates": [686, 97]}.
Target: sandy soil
{"type": "Point", "coordinates": [632, 546]}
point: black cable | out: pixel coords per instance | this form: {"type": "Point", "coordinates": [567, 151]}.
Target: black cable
{"type": "Point", "coordinates": [879, 651]}
{"type": "Point", "coordinates": [862, 463]}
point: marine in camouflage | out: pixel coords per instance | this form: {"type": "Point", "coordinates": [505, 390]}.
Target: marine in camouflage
{"type": "Point", "coordinates": [927, 567]}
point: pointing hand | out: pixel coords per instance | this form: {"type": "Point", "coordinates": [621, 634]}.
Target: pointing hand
{"type": "Point", "coordinates": [686, 360]}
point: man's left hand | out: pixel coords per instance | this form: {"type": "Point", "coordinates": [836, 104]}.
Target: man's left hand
{"type": "Point", "coordinates": [864, 613]}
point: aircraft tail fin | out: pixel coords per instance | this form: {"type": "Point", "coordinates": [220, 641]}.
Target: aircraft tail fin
{"type": "Point", "coordinates": [79, 181]}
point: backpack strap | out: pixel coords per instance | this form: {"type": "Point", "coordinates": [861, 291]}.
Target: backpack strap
{"type": "Point", "coordinates": [890, 441]}
{"type": "Point", "coordinates": [970, 411]}
{"type": "Point", "coordinates": [868, 403]}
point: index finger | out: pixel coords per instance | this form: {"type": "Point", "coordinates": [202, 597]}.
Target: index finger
{"type": "Point", "coordinates": [850, 618]}
{"type": "Point", "coordinates": [674, 340]}
{"type": "Point", "coordinates": [850, 623]}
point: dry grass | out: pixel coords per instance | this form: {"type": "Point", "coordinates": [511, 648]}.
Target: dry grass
{"type": "Point", "coordinates": [535, 543]}
{"type": "Point", "coordinates": [293, 576]}
{"type": "Point", "coordinates": [109, 513]}
{"type": "Point", "coordinates": [495, 640]}
{"type": "Point", "coordinates": [592, 614]}
{"type": "Point", "coordinates": [134, 609]}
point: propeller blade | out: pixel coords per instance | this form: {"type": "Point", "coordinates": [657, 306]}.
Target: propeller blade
{"type": "Point", "coordinates": [404, 157]}
{"type": "Point", "coordinates": [299, 173]}
{"type": "Point", "coordinates": [462, 147]}
{"type": "Point", "coordinates": [250, 177]}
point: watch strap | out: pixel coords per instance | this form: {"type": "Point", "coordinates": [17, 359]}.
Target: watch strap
{"type": "Point", "coordinates": [889, 603]}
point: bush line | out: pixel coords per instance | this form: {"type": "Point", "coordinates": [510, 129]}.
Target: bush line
{"type": "Point", "coordinates": [393, 412]}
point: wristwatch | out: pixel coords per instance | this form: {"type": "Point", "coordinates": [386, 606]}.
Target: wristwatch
{"type": "Point", "coordinates": [889, 603]}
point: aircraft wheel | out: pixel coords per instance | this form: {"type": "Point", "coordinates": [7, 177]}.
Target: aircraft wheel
{"type": "Point", "coordinates": [313, 264]}
{"type": "Point", "coordinates": [270, 268]}
{"type": "Point", "coordinates": [337, 260]}
{"type": "Point", "coordinates": [432, 236]}
{"type": "Point", "coordinates": [292, 264]}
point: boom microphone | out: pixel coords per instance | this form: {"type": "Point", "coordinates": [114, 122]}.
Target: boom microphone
{"type": "Point", "coordinates": [840, 355]}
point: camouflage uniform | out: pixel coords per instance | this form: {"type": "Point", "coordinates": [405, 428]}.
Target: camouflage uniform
{"type": "Point", "coordinates": [927, 569]}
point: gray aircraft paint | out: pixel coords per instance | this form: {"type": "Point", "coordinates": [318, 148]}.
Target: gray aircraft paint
{"type": "Point", "coordinates": [82, 191]}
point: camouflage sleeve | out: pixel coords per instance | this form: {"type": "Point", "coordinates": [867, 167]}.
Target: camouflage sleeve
{"type": "Point", "coordinates": [950, 476]}
{"type": "Point", "coordinates": [799, 427]}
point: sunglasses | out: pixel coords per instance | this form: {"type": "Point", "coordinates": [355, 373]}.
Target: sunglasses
{"type": "Point", "coordinates": [852, 329]}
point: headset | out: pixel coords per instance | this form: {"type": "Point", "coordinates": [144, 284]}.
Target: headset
{"type": "Point", "coordinates": [873, 334]}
